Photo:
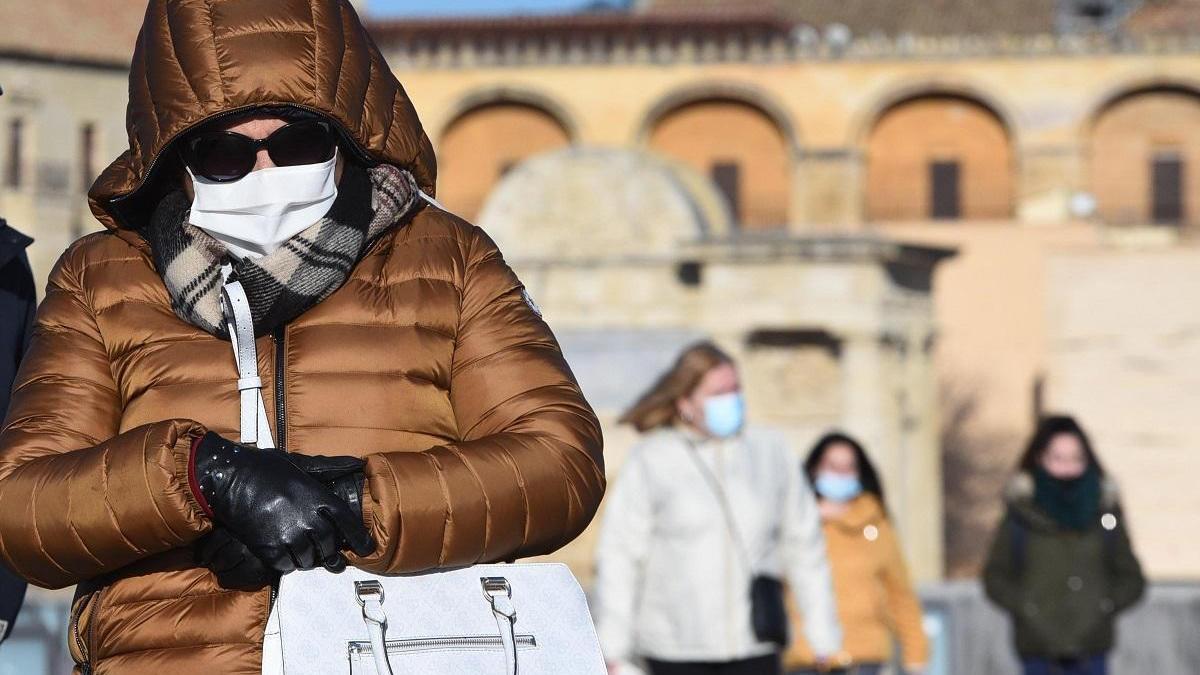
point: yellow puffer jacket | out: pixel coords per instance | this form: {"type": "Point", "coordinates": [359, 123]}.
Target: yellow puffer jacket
{"type": "Point", "coordinates": [875, 598]}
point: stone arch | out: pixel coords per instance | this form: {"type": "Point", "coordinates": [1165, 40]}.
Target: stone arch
{"type": "Point", "coordinates": [1143, 153]}
{"type": "Point", "coordinates": [739, 138]}
{"type": "Point", "coordinates": [532, 98]}
{"type": "Point", "coordinates": [938, 152]}
{"type": "Point", "coordinates": [864, 121]}
{"type": "Point", "coordinates": [489, 133]}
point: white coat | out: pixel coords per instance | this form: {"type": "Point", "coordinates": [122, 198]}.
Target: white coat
{"type": "Point", "coordinates": [672, 584]}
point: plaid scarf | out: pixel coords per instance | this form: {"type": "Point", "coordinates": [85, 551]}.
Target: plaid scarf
{"type": "Point", "coordinates": [284, 284]}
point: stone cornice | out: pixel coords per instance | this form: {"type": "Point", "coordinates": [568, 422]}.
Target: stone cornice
{"type": "Point", "coordinates": [757, 248]}
{"type": "Point", "coordinates": [66, 60]}
{"type": "Point", "coordinates": [720, 38]}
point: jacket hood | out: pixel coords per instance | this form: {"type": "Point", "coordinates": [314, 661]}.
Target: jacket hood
{"type": "Point", "coordinates": [1019, 492]}
{"type": "Point", "coordinates": [196, 60]}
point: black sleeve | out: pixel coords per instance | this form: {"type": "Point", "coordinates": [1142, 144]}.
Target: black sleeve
{"type": "Point", "coordinates": [1001, 578]}
{"type": "Point", "coordinates": [1128, 582]}
{"type": "Point", "coordinates": [23, 295]}
{"type": "Point", "coordinates": [12, 594]}
{"type": "Point", "coordinates": [30, 309]}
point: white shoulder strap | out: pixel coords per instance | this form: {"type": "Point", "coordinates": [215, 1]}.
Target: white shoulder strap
{"type": "Point", "coordinates": [255, 429]}
{"type": "Point", "coordinates": [432, 201]}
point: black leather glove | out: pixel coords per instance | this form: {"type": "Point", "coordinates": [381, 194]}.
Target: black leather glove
{"type": "Point", "coordinates": [288, 519]}
{"type": "Point", "coordinates": [343, 475]}
{"type": "Point", "coordinates": [233, 563]}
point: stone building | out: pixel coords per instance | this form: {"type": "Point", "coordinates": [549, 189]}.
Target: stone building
{"type": "Point", "coordinates": [629, 266]}
{"type": "Point", "coordinates": [819, 161]}
{"type": "Point", "coordinates": [64, 68]}
{"type": "Point", "coordinates": [1027, 136]}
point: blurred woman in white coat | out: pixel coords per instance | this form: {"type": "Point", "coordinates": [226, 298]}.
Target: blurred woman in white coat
{"type": "Point", "coordinates": [707, 518]}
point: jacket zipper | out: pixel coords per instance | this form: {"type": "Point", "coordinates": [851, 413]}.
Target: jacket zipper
{"type": "Point", "coordinates": [363, 154]}
{"type": "Point", "coordinates": [280, 398]}
{"type": "Point", "coordinates": [79, 641]}
{"type": "Point", "coordinates": [280, 337]}
{"type": "Point", "coordinates": [85, 646]}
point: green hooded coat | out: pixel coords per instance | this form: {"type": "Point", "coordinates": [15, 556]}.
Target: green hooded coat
{"type": "Point", "coordinates": [1063, 588]}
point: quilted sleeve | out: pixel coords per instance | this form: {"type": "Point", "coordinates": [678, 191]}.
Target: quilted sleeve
{"type": "Point", "coordinates": [77, 499]}
{"type": "Point", "coordinates": [528, 474]}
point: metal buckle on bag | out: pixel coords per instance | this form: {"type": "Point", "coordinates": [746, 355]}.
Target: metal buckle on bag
{"type": "Point", "coordinates": [494, 586]}
{"type": "Point", "coordinates": [364, 588]}
{"type": "Point", "coordinates": [499, 593]}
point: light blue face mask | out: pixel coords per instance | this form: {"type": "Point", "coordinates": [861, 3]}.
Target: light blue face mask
{"type": "Point", "coordinates": [838, 487]}
{"type": "Point", "coordinates": [724, 415]}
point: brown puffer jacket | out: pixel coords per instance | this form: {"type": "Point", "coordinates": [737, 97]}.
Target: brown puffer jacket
{"type": "Point", "coordinates": [428, 361]}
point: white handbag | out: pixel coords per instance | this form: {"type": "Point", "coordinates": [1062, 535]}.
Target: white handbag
{"type": "Point", "coordinates": [522, 619]}
{"type": "Point", "coordinates": [527, 619]}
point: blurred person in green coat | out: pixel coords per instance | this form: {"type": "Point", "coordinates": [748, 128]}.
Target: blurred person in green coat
{"type": "Point", "coordinates": [1061, 563]}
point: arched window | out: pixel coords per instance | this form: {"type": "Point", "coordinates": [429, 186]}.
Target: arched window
{"type": "Point", "coordinates": [1145, 158]}
{"type": "Point", "coordinates": [486, 142]}
{"type": "Point", "coordinates": [939, 157]}
{"type": "Point", "coordinates": [740, 149]}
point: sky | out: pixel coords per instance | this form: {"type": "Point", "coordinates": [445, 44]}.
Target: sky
{"type": "Point", "coordinates": [400, 8]}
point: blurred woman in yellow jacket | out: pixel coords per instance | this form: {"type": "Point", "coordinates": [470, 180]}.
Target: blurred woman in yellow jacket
{"type": "Point", "coordinates": [876, 602]}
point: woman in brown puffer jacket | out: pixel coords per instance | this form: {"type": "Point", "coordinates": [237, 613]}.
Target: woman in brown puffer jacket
{"type": "Point", "coordinates": [388, 330]}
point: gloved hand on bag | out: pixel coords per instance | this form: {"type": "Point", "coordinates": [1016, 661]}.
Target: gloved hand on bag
{"type": "Point", "coordinates": [286, 518]}
{"type": "Point", "coordinates": [233, 563]}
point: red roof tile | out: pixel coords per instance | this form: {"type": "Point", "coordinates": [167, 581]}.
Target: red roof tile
{"type": "Point", "coordinates": [101, 31]}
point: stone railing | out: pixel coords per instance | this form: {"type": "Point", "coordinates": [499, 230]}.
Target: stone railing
{"type": "Point", "coordinates": [971, 637]}
{"type": "Point", "coordinates": [1161, 636]}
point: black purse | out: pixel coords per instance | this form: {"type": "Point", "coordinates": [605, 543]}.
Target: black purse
{"type": "Point", "coordinates": [767, 611]}
{"type": "Point", "coordinates": [768, 614]}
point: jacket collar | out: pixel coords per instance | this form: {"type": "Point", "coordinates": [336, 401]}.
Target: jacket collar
{"type": "Point", "coordinates": [12, 243]}
{"type": "Point", "coordinates": [1018, 494]}
{"type": "Point", "coordinates": [1019, 491]}
{"type": "Point", "coordinates": [862, 511]}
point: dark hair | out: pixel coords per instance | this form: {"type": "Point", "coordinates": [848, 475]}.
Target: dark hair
{"type": "Point", "coordinates": [867, 474]}
{"type": "Point", "coordinates": [1046, 430]}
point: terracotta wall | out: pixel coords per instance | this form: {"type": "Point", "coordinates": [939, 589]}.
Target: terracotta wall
{"type": "Point", "coordinates": [708, 133]}
{"type": "Point", "coordinates": [1125, 140]}
{"type": "Point", "coordinates": [482, 144]}
{"type": "Point", "coordinates": [909, 137]}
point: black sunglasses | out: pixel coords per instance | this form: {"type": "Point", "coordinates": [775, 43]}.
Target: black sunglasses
{"type": "Point", "coordinates": [225, 156]}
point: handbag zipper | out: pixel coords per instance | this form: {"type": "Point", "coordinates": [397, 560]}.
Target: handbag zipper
{"type": "Point", "coordinates": [362, 648]}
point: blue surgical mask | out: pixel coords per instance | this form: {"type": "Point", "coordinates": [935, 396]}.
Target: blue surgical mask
{"type": "Point", "coordinates": [724, 415]}
{"type": "Point", "coordinates": [838, 487]}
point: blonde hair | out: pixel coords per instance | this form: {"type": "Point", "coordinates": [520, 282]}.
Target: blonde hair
{"type": "Point", "coordinates": [657, 407]}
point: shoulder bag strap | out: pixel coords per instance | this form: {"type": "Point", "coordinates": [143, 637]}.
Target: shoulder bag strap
{"type": "Point", "coordinates": [723, 502]}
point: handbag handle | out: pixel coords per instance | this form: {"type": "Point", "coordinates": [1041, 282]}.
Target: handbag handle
{"type": "Point", "coordinates": [496, 590]}
{"type": "Point", "coordinates": [370, 598]}
{"type": "Point", "coordinates": [499, 593]}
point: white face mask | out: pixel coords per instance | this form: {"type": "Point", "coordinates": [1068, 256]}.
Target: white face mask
{"type": "Point", "coordinates": [257, 214]}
